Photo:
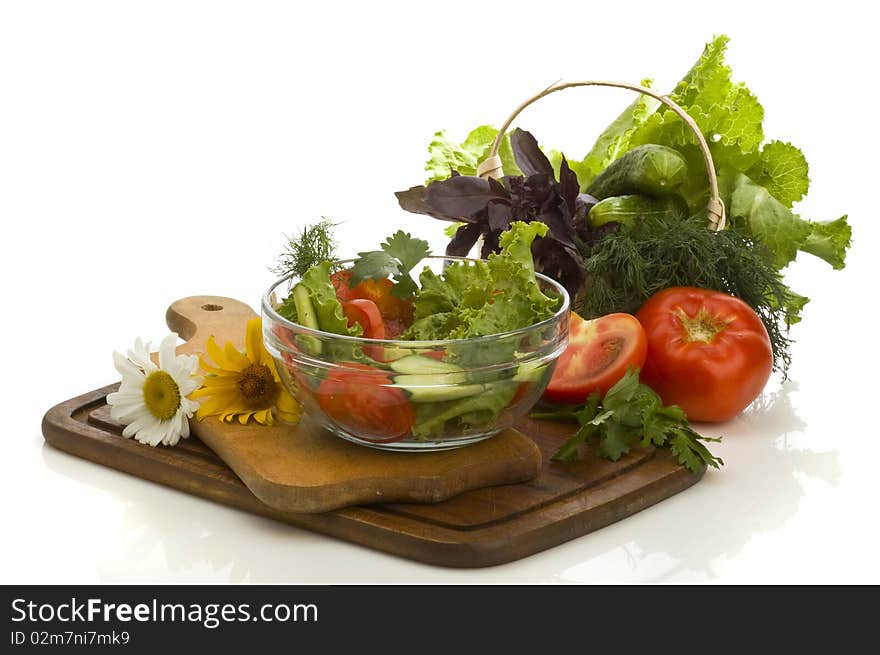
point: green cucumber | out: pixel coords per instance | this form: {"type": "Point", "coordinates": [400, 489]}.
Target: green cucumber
{"type": "Point", "coordinates": [649, 169]}
{"type": "Point", "coordinates": [625, 209]}
{"type": "Point", "coordinates": [422, 365]}
{"type": "Point", "coordinates": [305, 314]}
{"type": "Point", "coordinates": [530, 371]}
{"type": "Point", "coordinates": [437, 388]}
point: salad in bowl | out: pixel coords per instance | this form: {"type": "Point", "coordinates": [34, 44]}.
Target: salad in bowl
{"type": "Point", "coordinates": [453, 357]}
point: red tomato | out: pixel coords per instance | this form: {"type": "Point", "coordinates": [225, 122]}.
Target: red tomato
{"type": "Point", "coordinates": [599, 352]}
{"type": "Point", "coordinates": [366, 314]}
{"type": "Point", "coordinates": [340, 281]}
{"type": "Point", "coordinates": [379, 291]}
{"type": "Point", "coordinates": [708, 352]}
{"type": "Point", "coordinates": [359, 398]}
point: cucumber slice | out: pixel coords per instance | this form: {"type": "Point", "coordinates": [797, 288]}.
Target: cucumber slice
{"type": "Point", "coordinates": [421, 365]}
{"type": "Point", "coordinates": [437, 388]}
{"type": "Point", "coordinates": [305, 314]}
{"type": "Point", "coordinates": [530, 371]}
{"type": "Point", "coordinates": [304, 310]}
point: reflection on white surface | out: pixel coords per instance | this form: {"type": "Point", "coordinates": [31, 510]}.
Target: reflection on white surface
{"type": "Point", "coordinates": [685, 546]}
{"type": "Point", "coordinates": [163, 534]}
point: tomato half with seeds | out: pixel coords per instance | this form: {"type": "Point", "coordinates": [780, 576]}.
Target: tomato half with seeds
{"type": "Point", "coordinates": [599, 352]}
{"type": "Point", "coordinates": [363, 401]}
{"type": "Point", "coordinates": [708, 352]}
{"type": "Point", "coordinates": [366, 314]}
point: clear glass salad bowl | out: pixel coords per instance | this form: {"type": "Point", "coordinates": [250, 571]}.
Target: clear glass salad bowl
{"type": "Point", "coordinates": [414, 395]}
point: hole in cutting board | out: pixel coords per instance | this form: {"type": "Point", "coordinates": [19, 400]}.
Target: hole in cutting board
{"type": "Point", "coordinates": [212, 308]}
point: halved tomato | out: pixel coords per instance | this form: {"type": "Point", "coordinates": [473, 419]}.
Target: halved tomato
{"type": "Point", "coordinates": [362, 400]}
{"type": "Point", "coordinates": [366, 314]}
{"type": "Point", "coordinates": [599, 352]}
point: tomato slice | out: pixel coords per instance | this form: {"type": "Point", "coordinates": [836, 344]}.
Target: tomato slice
{"type": "Point", "coordinates": [366, 314]}
{"type": "Point", "coordinates": [599, 352]}
{"type": "Point", "coordinates": [362, 400]}
{"type": "Point", "coordinates": [379, 291]}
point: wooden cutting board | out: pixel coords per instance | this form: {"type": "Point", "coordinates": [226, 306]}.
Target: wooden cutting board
{"type": "Point", "coordinates": [305, 468]}
{"type": "Point", "coordinates": [481, 527]}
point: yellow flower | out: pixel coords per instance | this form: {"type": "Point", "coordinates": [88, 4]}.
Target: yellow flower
{"type": "Point", "coordinates": [244, 385]}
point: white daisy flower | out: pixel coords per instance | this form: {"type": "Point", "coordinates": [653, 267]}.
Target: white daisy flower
{"type": "Point", "coordinates": [152, 400]}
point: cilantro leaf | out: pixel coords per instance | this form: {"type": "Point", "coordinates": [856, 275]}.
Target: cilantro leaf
{"type": "Point", "coordinates": [408, 250]}
{"type": "Point", "coordinates": [399, 254]}
{"type": "Point", "coordinates": [375, 265]}
{"type": "Point", "coordinates": [630, 413]}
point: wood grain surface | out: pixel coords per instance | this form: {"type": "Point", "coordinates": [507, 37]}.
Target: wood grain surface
{"type": "Point", "coordinates": [305, 468]}
{"type": "Point", "coordinates": [481, 527]}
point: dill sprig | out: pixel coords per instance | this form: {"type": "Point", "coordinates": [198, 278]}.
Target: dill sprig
{"type": "Point", "coordinates": [626, 267]}
{"type": "Point", "coordinates": [314, 244]}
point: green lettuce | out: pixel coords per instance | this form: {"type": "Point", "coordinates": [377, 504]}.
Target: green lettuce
{"type": "Point", "coordinates": [468, 412]}
{"type": "Point", "coordinates": [446, 155]}
{"type": "Point", "coordinates": [328, 309]}
{"type": "Point", "coordinates": [759, 181]}
{"type": "Point", "coordinates": [482, 298]}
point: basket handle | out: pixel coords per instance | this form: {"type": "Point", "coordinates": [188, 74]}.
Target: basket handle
{"type": "Point", "coordinates": [491, 166]}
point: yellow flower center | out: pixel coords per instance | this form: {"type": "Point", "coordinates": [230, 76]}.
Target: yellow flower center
{"type": "Point", "coordinates": [258, 386]}
{"type": "Point", "coordinates": [161, 395]}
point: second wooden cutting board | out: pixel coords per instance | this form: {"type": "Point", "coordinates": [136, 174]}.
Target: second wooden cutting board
{"type": "Point", "coordinates": [306, 469]}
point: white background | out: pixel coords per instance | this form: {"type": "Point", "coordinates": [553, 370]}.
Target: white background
{"type": "Point", "coordinates": [155, 150]}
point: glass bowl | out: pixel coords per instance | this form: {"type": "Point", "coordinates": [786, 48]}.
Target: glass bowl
{"type": "Point", "coordinates": [414, 395]}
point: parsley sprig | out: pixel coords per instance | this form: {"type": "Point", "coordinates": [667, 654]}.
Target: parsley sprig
{"type": "Point", "coordinates": [399, 254]}
{"type": "Point", "coordinates": [629, 414]}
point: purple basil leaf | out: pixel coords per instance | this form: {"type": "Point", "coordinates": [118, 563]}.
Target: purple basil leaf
{"type": "Point", "coordinates": [413, 200]}
{"type": "Point", "coordinates": [490, 243]}
{"type": "Point", "coordinates": [528, 155]}
{"type": "Point", "coordinates": [461, 196]}
{"type": "Point", "coordinates": [562, 263]}
{"type": "Point", "coordinates": [464, 239]}
{"type": "Point", "coordinates": [497, 188]}
{"type": "Point", "coordinates": [537, 189]}
{"type": "Point", "coordinates": [500, 215]}
{"type": "Point", "coordinates": [560, 229]}
{"type": "Point", "coordinates": [568, 187]}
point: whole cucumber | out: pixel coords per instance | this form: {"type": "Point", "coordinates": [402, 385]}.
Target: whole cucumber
{"type": "Point", "coordinates": [626, 209]}
{"type": "Point", "coordinates": [649, 169]}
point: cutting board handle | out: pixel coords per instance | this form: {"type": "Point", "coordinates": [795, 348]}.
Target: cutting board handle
{"type": "Point", "coordinates": [196, 318]}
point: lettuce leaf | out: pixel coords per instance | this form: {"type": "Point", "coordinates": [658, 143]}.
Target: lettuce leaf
{"type": "Point", "coordinates": [472, 300]}
{"type": "Point", "coordinates": [829, 241]}
{"type": "Point", "coordinates": [472, 411]}
{"type": "Point", "coordinates": [328, 309]}
{"type": "Point", "coordinates": [755, 211]}
{"type": "Point", "coordinates": [446, 156]}
{"type": "Point", "coordinates": [783, 170]}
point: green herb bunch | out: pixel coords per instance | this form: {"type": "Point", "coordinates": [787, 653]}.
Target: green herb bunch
{"type": "Point", "coordinates": [632, 414]}
{"type": "Point", "coordinates": [314, 244]}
